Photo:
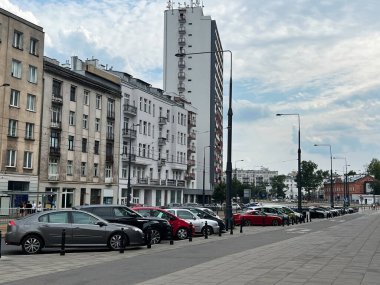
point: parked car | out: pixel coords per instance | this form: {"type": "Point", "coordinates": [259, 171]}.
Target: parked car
{"type": "Point", "coordinates": [318, 213]}
{"type": "Point", "coordinates": [204, 214]}
{"type": "Point", "coordinates": [256, 218]}
{"type": "Point", "coordinates": [180, 227]}
{"type": "Point", "coordinates": [293, 215]}
{"type": "Point", "coordinates": [273, 211]}
{"type": "Point", "coordinates": [198, 223]}
{"type": "Point", "coordinates": [160, 228]}
{"type": "Point", "coordinates": [44, 229]}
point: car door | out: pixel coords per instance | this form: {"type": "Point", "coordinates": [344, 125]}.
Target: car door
{"type": "Point", "coordinates": [52, 225]}
{"type": "Point", "coordinates": [86, 231]}
{"type": "Point", "coordinates": [191, 218]}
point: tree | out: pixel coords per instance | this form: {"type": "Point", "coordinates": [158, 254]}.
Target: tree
{"type": "Point", "coordinates": [278, 186]}
{"type": "Point", "coordinates": [374, 169]}
{"type": "Point", "coordinates": [219, 194]}
{"type": "Point", "coordinates": [311, 178]}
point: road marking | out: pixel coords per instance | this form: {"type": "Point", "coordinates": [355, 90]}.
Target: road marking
{"type": "Point", "coordinates": [298, 231]}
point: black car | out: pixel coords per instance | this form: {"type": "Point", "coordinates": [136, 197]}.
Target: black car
{"type": "Point", "coordinates": [160, 228]}
{"type": "Point", "coordinates": [205, 215]}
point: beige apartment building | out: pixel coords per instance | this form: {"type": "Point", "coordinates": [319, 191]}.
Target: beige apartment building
{"type": "Point", "coordinates": [21, 69]}
{"type": "Point", "coordinates": [80, 135]}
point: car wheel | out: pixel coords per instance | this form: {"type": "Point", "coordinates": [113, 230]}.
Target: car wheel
{"type": "Point", "coordinates": [181, 233]}
{"type": "Point", "coordinates": [115, 240]}
{"type": "Point", "coordinates": [155, 236]}
{"type": "Point", "coordinates": [32, 244]}
{"type": "Point", "coordinates": [210, 231]}
{"type": "Point", "coordinates": [275, 223]}
{"type": "Point", "coordinates": [247, 223]}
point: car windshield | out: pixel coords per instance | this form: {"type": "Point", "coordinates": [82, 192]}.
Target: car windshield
{"type": "Point", "coordinates": [126, 212]}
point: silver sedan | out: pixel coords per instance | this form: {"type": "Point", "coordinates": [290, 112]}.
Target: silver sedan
{"type": "Point", "coordinates": [82, 229]}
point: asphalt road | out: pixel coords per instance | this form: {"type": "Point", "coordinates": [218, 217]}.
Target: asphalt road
{"type": "Point", "coordinates": [152, 265]}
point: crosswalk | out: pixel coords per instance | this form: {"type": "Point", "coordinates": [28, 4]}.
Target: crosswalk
{"type": "Point", "coordinates": [297, 230]}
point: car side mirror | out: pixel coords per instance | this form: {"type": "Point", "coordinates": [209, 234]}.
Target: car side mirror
{"type": "Point", "coordinates": [101, 224]}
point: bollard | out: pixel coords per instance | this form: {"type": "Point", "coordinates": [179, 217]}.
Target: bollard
{"type": "Point", "coordinates": [292, 221]}
{"type": "Point", "coordinates": [122, 241]}
{"type": "Point", "coordinates": [283, 221]}
{"type": "Point", "coordinates": [231, 226]}
{"type": "Point", "coordinates": [205, 231]}
{"type": "Point", "coordinates": [190, 232]}
{"type": "Point", "coordinates": [241, 225]}
{"type": "Point", "coordinates": [171, 237]}
{"type": "Point", "coordinates": [0, 242]}
{"type": "Point", "coordinates": [63, 241]}
{"type": "Point", "coordinates": [220, 231]}
{"type": "Point", "coordinates": [309, 216]}
{"type": "Point", "coordinates": [148, 238]}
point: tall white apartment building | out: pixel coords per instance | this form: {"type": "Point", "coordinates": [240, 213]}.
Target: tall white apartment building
{"type": "Point", "coordinates": [155, 131]}
{"type": "Point", "coordinates": [254, 177]}
{"type": "Point", "coordinates": [197, 78]}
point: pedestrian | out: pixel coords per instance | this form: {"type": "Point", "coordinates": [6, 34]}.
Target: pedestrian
{"type": "Point", "coordinates": [39, 207]}
{"type": "Point", "coordinates": [22, 209]}
{"type": "Point", "coordinates": [28, 208]}
{"type": "Point", "coordinates": [34, 207]}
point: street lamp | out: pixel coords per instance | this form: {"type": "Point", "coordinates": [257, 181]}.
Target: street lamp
{"type": "Point", "coordinates": [129, 164]}
{"type": "Point", "coordinates": [228, 217]}
{"type": "Point", "coordinates": [299, 186]}
{"type": "Point", "coordinates": [331, 175]}
{"type": "Point", "coordinates": [204, 174]}
{"type": "Point", "coordinates": [235, 165]}
{"type": "Point", "coordinates": [346, 196]}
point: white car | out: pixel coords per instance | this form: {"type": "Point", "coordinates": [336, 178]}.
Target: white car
{"type": "Point", "coordinates": [198, 223]}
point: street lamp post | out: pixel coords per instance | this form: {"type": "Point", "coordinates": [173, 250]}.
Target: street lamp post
{"type": "Point", "coordinates": [331, 175]}
{"type": "Point", "coordinates": [299, 185]}
{"type": "Point", "coordinates": [204, 175]}
{"type": "Point", "coordinates": [228, 216]}
{"type": "Point", "coordinates": [129, 164]}
{"type": "Point", "coordinates": [235, 166]}
{"type": "Point", "coordinates": [346, 196]}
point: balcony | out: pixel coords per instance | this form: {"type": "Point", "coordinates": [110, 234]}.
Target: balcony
{"type": "Point", "coordinates": [55, 151]}
{"type": "Point", "coordinates": [161, 141]}
{"type": "Point", "coordinates": [130, 110]}
{"type": "Point", "coordinates": [125, 157]}
{"type": "Point", "coordinates": [192, 122]}
{"type": "Point", "coordinates": [181, 63]}
{"type": "Point", "coordinates": [182, 30]}
{"type": "Point", "coordinates": [192, 136]}
{"type": "Point", "coordinates": [108, 180]}
{"type": "Point", "coordinates": [110, 136]}
{"type": "Point", "coordinates": [191, 149]}
{"type": "Point", "coordinates": [190, 176]}
{"type": "Point", "coordinates": [57, 99]}
{"type": "Point", "coordinates": [161, 162]}
{"type": "Point", "coordinates": [56, 125]}
{"type": "Point", "coordinates": [111, 115]}
{"type": "Point", "coordinates": [182, 18]}
{"type": "Point", "coordinates": [143, 181]}
{"type": "Point", "coordinates": [181, 75]}
{"type": "Point", "coordinates": [181, 87]}
{"type": "Point", "coordinates": [191, 162]}
{"type": "Point", "coordinates": [109, 158]}
{"type": "Point", "coordinates": [53, 177]}
{"type": "Point", "coordinates": [162, 120]}
{"type": "Point", "coordinates": [129, 133]}
{"type": "Point", "coordinates": [182, 41]}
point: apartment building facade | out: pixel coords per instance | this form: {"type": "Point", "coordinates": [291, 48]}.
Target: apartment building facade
{"type": "Point", "coordinates": [21, 69]}
{"type": "Point", "coordinates": [79, 160]}
{"type": "Point", "coordinates": [199, 79]}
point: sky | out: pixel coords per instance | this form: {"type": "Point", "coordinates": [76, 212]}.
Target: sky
{"type": "Point", "coordinates": [319, 59]}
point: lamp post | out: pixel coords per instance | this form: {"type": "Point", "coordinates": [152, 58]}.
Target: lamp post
{"type": "Point", "coordinates": [228, 217]}
{"type": "Point", "coordinates": [299, 185]}
{"type": "Point", "coordinates": [129, 164]}
{"type": "Point", "coordinates": [235, 165]}
{"type": "Point", "coordinates": [204, 175]}
{"type": "Point", "coordinates": [331, 175]}
{"type": "Point", "coordinates": [345, 188]}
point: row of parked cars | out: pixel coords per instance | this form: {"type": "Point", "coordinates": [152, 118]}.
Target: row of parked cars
{"type": "Point", "coordinates": [109, 225]}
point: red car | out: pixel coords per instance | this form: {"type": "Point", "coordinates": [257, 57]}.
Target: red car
{"type": "Point", "coordinates": [180, 227]}
{"type": "Point", "coordinates": [257, 218]}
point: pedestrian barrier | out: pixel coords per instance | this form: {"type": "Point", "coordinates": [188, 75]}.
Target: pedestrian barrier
{"type": "Point", "coordinates": [148, 237]}
{"type": "Point", "coordinates": [63, 243]}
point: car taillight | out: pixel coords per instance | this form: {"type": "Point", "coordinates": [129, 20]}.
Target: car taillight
{"type": "Point", "coordinates": [11, 223]}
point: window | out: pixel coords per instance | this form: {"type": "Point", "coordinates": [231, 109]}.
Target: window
{"type": "Point", "coordinates": [54, 139]}
{"type": "Point", "coordinates": [83, 169]}
{"type": "Point", "coordinates": [31, 102]}
{"type": "Point", "coordinates": [67, 198]}
{"type": "Point", "coordinates": [28, 159]}
{"type": "Point", "coordinates": [71, 142]}
{"type": "Point", "coordinates": [53, 166]}
{"type": "Point", "coordinates": [29, 130]}
{"type": "Point", "coordinates": [108, 171]}
{"type": "Point", "coordinates": [72, 93]}
{"type": "Point", "coordinates": [55, 114]}
{"type": "Point", "coordinates": [85, 120]}
{"type": "Point", "coordinates": [96, 147]}
{"type": "Point", "coordinates": [72, 118]}
{"type": "Point", "coordinates": [96, 170]}
{"type": "Point", "coordinates": [111, 108]}
{"type": "Point", "coordinates": [86, 97]}
{"type": "Point", "coordinates": [145, 105]}
{"type": "Point", "coordinates": [16, 68]}
{"type": "Point", "coordinates": [17, 39]}
{"type": "Point", "coordinates": [98, 101]}
{"type": "Point", "coordinates": [12, 128]}
{"type": "Point", "coordinates": [84, 145]}
{"type": "Point", "coordinates": [15, 98]}
{"type": "Point", "coordinates": [33, 46]}
{"type": "Point", "coordinates": [11, 158]}
{"type": "Point", "coordinates": [57, 88]}
{"type": "Point", "coordinates": [141, 103]}
{"type": "Point", "coordinates": [83, 219]}
{"type": "Point", "coordinates": [110, 133]}
{"type": "Point", "coordinates": [69, 168]}
{"type": "Point", "coordinates": [97, 125]}
{"type": "Point", "coordinates": [32, 74]}
{"type": "Point", "coordinates": [144, 128]}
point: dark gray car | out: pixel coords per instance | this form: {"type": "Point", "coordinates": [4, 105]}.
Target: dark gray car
{"type": "Point", "coordinates": [82, 229]}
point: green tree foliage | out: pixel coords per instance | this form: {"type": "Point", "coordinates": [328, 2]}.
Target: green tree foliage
{"type": "Point", "coordinates": [278, 186]}
{"type": "Point", "coordinates": [374, 169]}
{"type": "Point", "coordinates": [311, 178]}
{"type": "Point", "coordinates": [219, 194]}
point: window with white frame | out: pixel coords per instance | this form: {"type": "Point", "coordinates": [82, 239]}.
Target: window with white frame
{"type": "Point", "coordinates": [96, 169]}
{"type": "Point", "coordinates": [32, 74]}
{"type": "Point", "coordinates": [12, 128]}
{"type": "Point", "coordinates": [29, 131]}
{"type": "Point", "coordinates": [33, 46]}
{"type": "Point", "coordinates": [72, 118]}
{"type": "Point", "coordinates": [15, 98]}
{"type": "Point", "coordinates": [98, 101]}
{"type": "Point", "coordinates": [85, 121]}
{"type": "Point", "coordinates": [141, 99]}
{"type": "Point", "coordinates": [55, 114]}
{"type": "Point", "coordinates": [108, 172]}
{"type": "Point", "coordinates": [86, 97]}
{"type": "Point", "coordinates": [124, 169]}
{"type": "Point", "coordinates": [83, 167]}
{"type": "Point", "coordinates": [30, 102]}
{"type": "Point", "coordinates": [16, 68]}
{"type": "Point", "coordinates": [67, 198]}
{"type": "Point", "coordinates": [144, 128]}
{"type": "Point", "coordinates": [11, 158]}
{"type": "Point", "coordinates": [28, 156]}
{"type": "Point", "coordinates": [53, 166]}
{"type": "Point", "coordinates": [69, 168]}
{"type": "Point", "coordinates": [71, 142]}
{"type": "Point", "coordinates": [97, 125]}
{"type": "Point", "coordinates": [17, 39]}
